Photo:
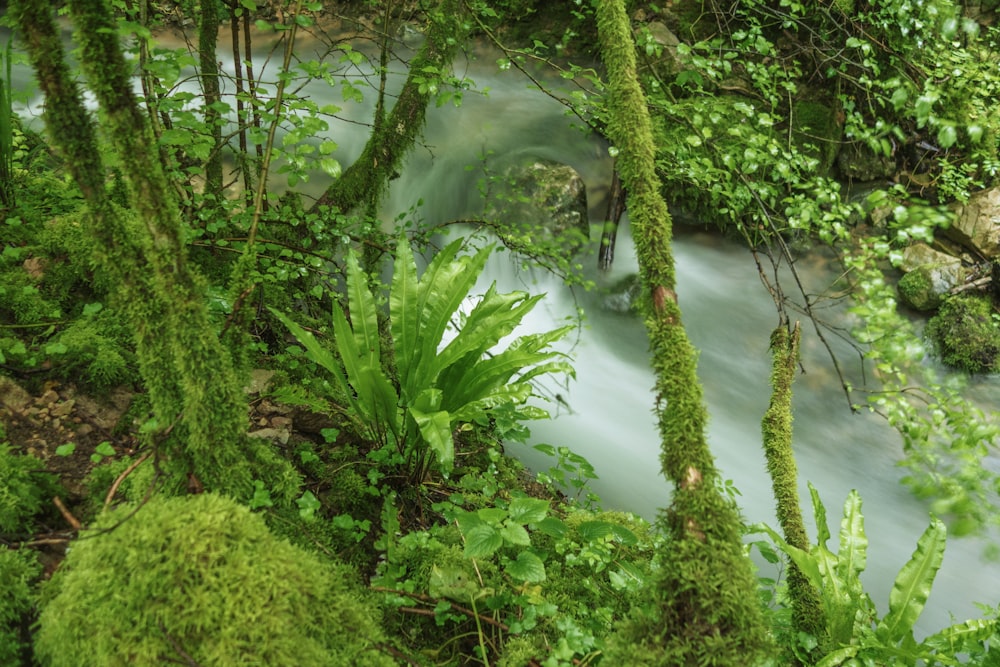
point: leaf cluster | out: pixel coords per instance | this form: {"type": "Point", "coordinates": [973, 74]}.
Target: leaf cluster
{"type": "Point", "coordinates": [855, 632]}
{"type": "Point", "coordinates": [441, 383]}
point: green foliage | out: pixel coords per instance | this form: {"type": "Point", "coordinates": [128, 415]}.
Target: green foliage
{"type": "Point", "coordinates": [25, 488]}
{"type": "Point", "coordinates": [18, 571]}
{"type": "Point", "coordinates": [441, 386]}
{"type": "Point", "coordinates": [856, 634]}
{"type": "Point", "coordinates": [966, 333]}
{"type": "Point", "coordinates": [201, 578]}
{"type": "Point", "coordinates": [556, 579]}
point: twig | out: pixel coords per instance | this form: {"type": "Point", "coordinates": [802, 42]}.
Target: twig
{"type": "Point", "coordinates": [121, 478]}
{"type": "Point", "coordinates": [188, 660]}
{"type": "Point", "coordinates": [72, 520]}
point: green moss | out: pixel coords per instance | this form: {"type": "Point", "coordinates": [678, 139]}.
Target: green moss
{"type": "Point", "coordinates": [24, 489]}
{"type": "Point", "coordinates": [966, 334]}
{"type": "Point", "coordinates": [816, 132]}
{"type": "Point", "coordinates": [201, 578]}
{"type": "Point", "coordinates": [18, 570]}
{"type": "Point", "coordinates": [916, 289]}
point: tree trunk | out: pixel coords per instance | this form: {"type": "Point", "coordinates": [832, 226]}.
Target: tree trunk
{"type": "Point", "coordinates": [706, 594]}
{"type": "Point", "coordinates": [208, 38]}
{"type": "Point", "coordinates": [188, 373]}
{"type": "Point", "coordinates": [362, 182]}
{"type": "Point", "coordinates": [776, 427]}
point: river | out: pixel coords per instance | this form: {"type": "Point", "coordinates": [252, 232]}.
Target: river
{"type": "Point", "coordinates": [729, 317]}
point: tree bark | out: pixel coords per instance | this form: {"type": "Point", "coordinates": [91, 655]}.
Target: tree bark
{"type": "Point", "coordinates": [188, 373]}
{"type": "Point", "coordinates": [363, 182]}
{"type": "Point", "coordinates": [776, 427]}
{"type": "Point", "coordinates": [706, 593]}
{"type": "Point", "coordinates": [208, 38]}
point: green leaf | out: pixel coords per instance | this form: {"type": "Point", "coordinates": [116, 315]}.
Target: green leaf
{"type": "Point", "coordinates": [105, 449]}
{"type": "Point", "coordinates": [308, 504]}
{"type": "Point", "coordinates": [527, 567]}
{"type": "Point", "coordinates": [552, 527]}
{"type": "Point", "coordinates": [819, 514]}
{"type": "Point", "coordinates": [514, 533]}
{"type": "Point", "coordinates": [528, 510]}
{"type": "Point", "coordinates": [913, 585]}
{"type": "Point", "coordinates": [592, 531]}
{"type": "Point", "coordinates": [435, 429]}
{"type": "Point", "coordinates": [66, 449]}
{"type": "Point", "coordinates": [947, 136]}
{"type": "Point", "coordinates": [852, 555]}
{"type": "Point", "coordinates": [482, 541]}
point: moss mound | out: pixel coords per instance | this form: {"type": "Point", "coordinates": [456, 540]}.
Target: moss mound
{"type": "Point", "coordinates": [201, 580]}
{"type": "Point", "coordinates": [966, 334]}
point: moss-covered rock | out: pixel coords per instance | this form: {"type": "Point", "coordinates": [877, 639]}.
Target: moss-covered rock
{"type": "Point", "coordinates": [201, 580]}
{"type": "Point", "coordinates": [966, 334]}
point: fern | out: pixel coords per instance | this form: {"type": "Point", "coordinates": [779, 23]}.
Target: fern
{"type": "Point", "coordinates": [440, 386]}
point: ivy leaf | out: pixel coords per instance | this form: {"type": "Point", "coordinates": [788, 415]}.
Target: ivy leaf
{"type": "Point", "coordinates": [527, 567]}
{"type": "Point", "coordinates": [482, 541]}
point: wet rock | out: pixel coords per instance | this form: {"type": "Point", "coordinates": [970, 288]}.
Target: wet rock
{"type": "Point", "coordinates": [623, 296]}
{"type": "Point", "coordinates": [542, 197]}
{"type": "Point", "coordinates": [977, 223]}
{"type": "Point", "coordinates": [278, 435]}
{"type": "Point", "coordinates": [12, 397]}
{"type": "Point", "coordinates": [930, 276]}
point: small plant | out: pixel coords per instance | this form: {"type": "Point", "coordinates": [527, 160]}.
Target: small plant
{"type": "Point", "coordinates": [440, 385]}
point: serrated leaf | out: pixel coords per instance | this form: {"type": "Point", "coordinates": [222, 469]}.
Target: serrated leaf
{"type": "Point", "coordinates": [482, 541]}
{"type": "Point", "coordinates": [528, 510]}
{"type": "Point", "coordinates": [592, 531]}
{"type": "Point", "coordinates": [514, 533]}
{"type": "Point", "coordinates": [527, 567]}
{"type": "Point", "coordinates": [552, 527]}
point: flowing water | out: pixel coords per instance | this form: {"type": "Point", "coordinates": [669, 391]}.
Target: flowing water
{"type": "Point", "coordinates": [729, 317]}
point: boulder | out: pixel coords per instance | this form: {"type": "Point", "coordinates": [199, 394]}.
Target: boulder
{"type": "Point", "coordinates": [977, 223]}
{"type": "Point", "coordinates": [858, 162]}
{"type": "Point", "coordinates": [542, 197]}
{"type": "Point", "coordinates": [930, 276]}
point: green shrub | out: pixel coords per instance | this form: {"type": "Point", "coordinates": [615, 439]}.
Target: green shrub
{"type": "Point", "coordinates": [23, 489]}
{"type": "Point", "coordinates": [966, 334]}
{"type": "Point", "coordinates": [17, 570]}
{"type": "Point", "coordinates": [201, 580]}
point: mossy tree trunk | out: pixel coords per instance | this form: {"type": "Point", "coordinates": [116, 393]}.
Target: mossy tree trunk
{"type": "Point", "coordinates": [706, 604]}
{"type": "Point", "coordinates": [188, 373]}
{"type": "Point", "coordinates": [776, 427]}
{"type": "Point", "coordinates": [393, 135]}
{"type": "Point", "coordinates": [208, 38]}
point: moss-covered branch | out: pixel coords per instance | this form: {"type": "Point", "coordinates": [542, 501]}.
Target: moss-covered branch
{"type": "Point", "coordinates": [776, 427]}
{"type": "Point", "coordinates": [706, 597]}
{"type": "Point", "coordinates": [362, 182]}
